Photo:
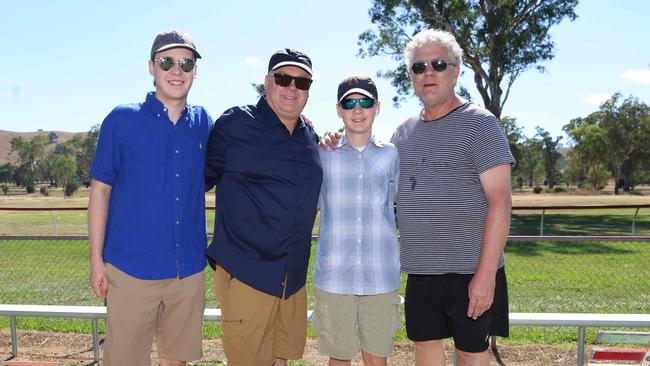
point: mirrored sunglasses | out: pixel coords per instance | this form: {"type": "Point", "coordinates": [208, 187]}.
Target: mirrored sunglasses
{"type": "Point", "coordinates": [438, 65]}
{"type": "Point", "coordinates": [166, 63]}
{"type": "Point", "coordinates": [349, 103]}
{"type": "Point", "coordinates": [284, 80]}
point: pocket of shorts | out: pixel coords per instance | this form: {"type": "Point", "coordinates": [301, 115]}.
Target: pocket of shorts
{"type": "Point", "coordinates": [232, 330]}
{"type": "Point", "coordinates": [320, 322]}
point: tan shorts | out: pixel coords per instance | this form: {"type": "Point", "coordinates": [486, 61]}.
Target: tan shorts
{"type": "Point", "coordinates": [137, 310]}
{"type": "Point", "coordinates": [258, 327]}
{"type": "Point", "coordinates": [337, 318]}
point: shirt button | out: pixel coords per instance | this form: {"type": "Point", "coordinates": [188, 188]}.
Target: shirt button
{"type": "Point", "coordinates": [178, 198]}
{"type": "Point", "coordinates": [358, 219]}
{"type": "Point", "coordinates": [178, 175]}
{"type": "Point", "coordinates": [177, 151]}
{"type": "Point", "coordinates": [359, 197]}
{"type": "Point", "coordinates": [158, 115]}
{"type": "Point", "coordinates": [178, 245]}
{"type": "Point", "coordinates": [178, 222]}
{"type": "Point", "coordinates": [358, 240]}
{"type": "Point", "coordinates": [360, 176]}
{"type": "Point", "coordinates": [164, 109]}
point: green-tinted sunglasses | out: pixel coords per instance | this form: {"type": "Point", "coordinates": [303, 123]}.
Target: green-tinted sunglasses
{"type": "Point", "coordinates": [365, 103]}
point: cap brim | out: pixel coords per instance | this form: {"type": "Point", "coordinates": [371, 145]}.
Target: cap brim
{"type": "Point", "coordinates": [178, 45]}
{"type": "Point", "coordinates": [293, 63]}
{"type": "Point", "coordinates": [357, 90]}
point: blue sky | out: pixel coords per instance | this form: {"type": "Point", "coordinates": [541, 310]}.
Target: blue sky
{"type": "Point", "coordinates": [68, 63]}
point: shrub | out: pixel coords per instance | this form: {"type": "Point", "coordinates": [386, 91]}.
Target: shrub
{"type": "Point", "coordinates": [5, 189]}
{"type": "Point", "coordinates": [44, 191]}
{"type": "Point", "coordinates": [70, 188]}
{"type": "Point", "coordinates": [29, 189]}
{"type": "Point", "coordinates": [537, 189]}
{"type": "Point", "coordinates": [558, 190]}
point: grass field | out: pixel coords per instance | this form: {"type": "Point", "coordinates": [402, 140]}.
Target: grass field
{"type": "Point", "coordinates": [608, 277]}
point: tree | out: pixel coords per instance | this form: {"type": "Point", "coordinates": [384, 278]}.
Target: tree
{"type": "Point", "coordinates": [63, 169]}
{"type": "Point", "coordinates": [52, 137]}
{"type": "Point", "coordinates": [551, 156]}
{"type": "Point", "coordinates": [82, 147]}
{"type": "Point", "coordinates": [30, 153]}
{"type": "Point", "coordinates": [514, 134]}
{"type": "Point", "coordinates": [588, 156]}
{"type": "Point", "coordinates": [259, 89]}
{"type": "Point", "coordinates": [531, 163]}
{"type": "Point", "coordinates": [500, 39]}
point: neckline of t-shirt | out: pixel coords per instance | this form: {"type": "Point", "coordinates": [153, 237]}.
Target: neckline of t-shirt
{"type": "Point", "coordinates": [439, 118]}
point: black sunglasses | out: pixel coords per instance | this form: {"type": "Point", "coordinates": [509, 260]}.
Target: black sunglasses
{"type": "Point", "coordinates": [284, 80]}
{"type": "Point", "coordinates": [166, 63]}
{"type": "Point", "coordinates": [349, 103]}
{"type": "Point", "coordinates": [438, 65]}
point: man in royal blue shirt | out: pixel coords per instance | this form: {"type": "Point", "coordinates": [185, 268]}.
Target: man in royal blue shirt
{"type": "Point", "coordinates": [146, 215]}
{"type": "Point", "coordinates": [264, 161]}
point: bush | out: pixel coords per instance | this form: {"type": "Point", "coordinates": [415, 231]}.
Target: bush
{"type": "Point", "coordinates": [558, 190]}
{"type": "Point", "coordinates": [5, 189]}
{"type": "Point", "coordinates": [44, 191]}
{"type": "Point", "coordinates": [70, 188]}
{"type": "Point", "coordinates": [29, 189]}
{"type": "Point", "coordinates": [537, 190]}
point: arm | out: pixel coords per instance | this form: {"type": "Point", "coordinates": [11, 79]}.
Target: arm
{"type": "Point", "coordinates": [98, 203]}
{"type": "Point", "coordinates": [215, 156]}
{"type": "Point", "coordinates": [496, 186]}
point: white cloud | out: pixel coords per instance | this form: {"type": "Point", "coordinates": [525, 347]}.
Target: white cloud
{"type": "Point", "coordinates": [253, 61]}
{"type": "Point", "coordinates": [637, 76]}
{"type": "Point", "coordinates": [596, 98]}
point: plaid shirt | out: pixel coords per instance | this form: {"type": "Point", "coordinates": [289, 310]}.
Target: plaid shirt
{"type": "Point", "coordinates": [357, 251]}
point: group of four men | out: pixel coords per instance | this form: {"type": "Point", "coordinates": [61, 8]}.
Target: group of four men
{"type": "Point", "coordinates": [447, 169]}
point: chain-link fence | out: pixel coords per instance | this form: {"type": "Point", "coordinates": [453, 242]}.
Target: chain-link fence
{"type": "Point", "coordinates": [543, 276]}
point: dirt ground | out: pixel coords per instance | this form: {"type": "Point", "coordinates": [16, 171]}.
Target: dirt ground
{"type": "Point", "coordinates": [75, 349]}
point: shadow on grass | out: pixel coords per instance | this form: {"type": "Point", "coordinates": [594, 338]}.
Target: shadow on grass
{"type": "Point", "coordinates": [538, 248]}
{"type": "Point", "coordinates": [567, 224]}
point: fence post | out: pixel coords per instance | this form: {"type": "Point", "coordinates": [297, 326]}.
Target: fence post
{"type": "Point", "coordinates": [14, 337]}
{"type": "Point", "coordinates": [581, 346]}
{"type": "Point", "coordinates": [96, 341]}
{"type": "Point", "coordinates": [54, 222]}
{"type": "Point", "coordinates": [541, 223]}
{"type": "Point", "coordinates": [634, 220]}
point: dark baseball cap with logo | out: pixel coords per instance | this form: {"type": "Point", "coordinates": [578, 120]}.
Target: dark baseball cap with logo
{"type": "Point", "coordinates": [289, 57]}
{"type": "Point", "coordinates": [357, 84]}
{"type": "Point", "coordinates": [173, 38]}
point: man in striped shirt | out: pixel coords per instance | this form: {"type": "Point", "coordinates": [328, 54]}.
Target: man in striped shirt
{"type": "Point", "coordinates": [357, 275]}
{"type": "Point", "coordinates": [453, 206]}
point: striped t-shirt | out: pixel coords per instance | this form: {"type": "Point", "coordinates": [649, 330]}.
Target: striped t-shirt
{"type": "Point", "coordinates": [441, 206]}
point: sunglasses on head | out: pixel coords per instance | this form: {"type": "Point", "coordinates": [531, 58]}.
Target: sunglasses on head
{"type": "Point", "coordinates": [284, 80]}
{"type": "Point", "coordinates": [438, 65]}
{"type": "Point", "coordinates": [349, 103]}
{"type": "Point", "coordinates": [166, 63]}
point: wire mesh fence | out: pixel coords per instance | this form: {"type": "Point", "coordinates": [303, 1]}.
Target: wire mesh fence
{"type": "Point", "coordinates": [543, 276]}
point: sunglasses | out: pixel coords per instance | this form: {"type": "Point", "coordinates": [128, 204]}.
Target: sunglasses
{"type": "Point", "coordinates": [284, 80]}
{"type": "Point", "coordinates": [166, 63]}
{"type": "Point", "coordinates": [438, 65]}
{"type": "Point", "coordinates": [349, 103]}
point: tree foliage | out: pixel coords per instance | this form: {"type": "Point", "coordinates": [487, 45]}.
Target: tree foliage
{"type": "Point", "coordinates": [500, 39]}
{"type": "Point", "coordinates": [616, 138]}
{"type": "Point", "coordinates": [551, 156]}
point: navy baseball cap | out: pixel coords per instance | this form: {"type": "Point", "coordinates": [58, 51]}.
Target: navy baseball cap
{"type": "Point", "coordinates": [173, 38]}
{"type": "Point", "coordinates": [357, 84]}
{"type": "Point", "coordinates": [289, 57]}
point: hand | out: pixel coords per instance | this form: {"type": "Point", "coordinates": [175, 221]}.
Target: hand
{"type": "Point", "coordinates": [481, 294]}
{"type": "Point", "coordinates": [98, 279]}
{"type": "Point", "coordinates": [330, 139]}
{"type": "Point", "coordinates": [308, 122]}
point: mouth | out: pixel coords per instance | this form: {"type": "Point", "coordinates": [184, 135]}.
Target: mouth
{"type": "Point", "coordinates": [176, 82]}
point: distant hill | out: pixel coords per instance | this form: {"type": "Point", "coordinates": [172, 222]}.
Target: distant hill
{"type": "Point", "coordinates": [6, 136]}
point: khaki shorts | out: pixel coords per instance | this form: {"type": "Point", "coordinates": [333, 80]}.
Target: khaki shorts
{"type": "Point", "coordinates": [137, 310]}
{"type": "Point", "coordinates": [337, 318]}
{"type": "Point", "coordinates": [258, 327]}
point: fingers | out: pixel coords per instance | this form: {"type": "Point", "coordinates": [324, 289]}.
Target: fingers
{"type": "Point", "coordinates": [478, 305]}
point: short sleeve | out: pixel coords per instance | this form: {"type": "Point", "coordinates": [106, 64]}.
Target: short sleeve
{"type": "Point", "coordinates": [490, 147]}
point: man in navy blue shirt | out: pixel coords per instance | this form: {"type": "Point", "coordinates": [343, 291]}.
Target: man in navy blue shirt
{"type": "Point", "coordinates": [146, 215]}
{"type": "Point", "coordinates": [264, 161]}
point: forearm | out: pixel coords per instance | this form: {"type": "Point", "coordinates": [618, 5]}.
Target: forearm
{"type": "Point", "coordinates": [495, 234]}
{"type": "Point", "coordinates": [97, 218]}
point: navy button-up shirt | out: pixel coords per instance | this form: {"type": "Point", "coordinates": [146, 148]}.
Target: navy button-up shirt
{"type": "Point", "coordinates": [156, 219]}
{"type": "Point", "coordinates": [268, 182]}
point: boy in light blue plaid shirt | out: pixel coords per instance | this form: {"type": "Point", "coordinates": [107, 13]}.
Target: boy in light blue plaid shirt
{"type": "Point", "coordinates": [357, 274]}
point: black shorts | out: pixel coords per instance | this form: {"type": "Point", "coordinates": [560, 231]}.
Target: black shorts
{"type": "Point", "coordinates": [436, 307]}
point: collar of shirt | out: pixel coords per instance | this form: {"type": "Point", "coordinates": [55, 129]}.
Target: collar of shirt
{"type": "Point", "coordinates": [268, 116]}
{"type": "Point", "coordinates": [344, 141]}
{"type": "Point", "coordinates": [156, 107]}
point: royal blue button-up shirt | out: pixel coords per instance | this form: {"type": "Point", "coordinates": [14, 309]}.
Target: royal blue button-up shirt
{"type": "Point", "coordinates": [268, 182]}
{"type": "Point", "coordinates": [156, 219]}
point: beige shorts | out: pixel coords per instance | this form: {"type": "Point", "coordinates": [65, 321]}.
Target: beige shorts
{"type": "Point", "coordinates": [137, 310]}
{"type": "Point", "coordinates": [337, 318]}
{"type": "Point", "coordinates": [258, 327]}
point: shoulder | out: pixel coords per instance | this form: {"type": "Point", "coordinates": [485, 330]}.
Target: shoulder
{"type": "Point", "coordinates": [404, 128]}
{"type": "Point", "coordinates": [477, 113]}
